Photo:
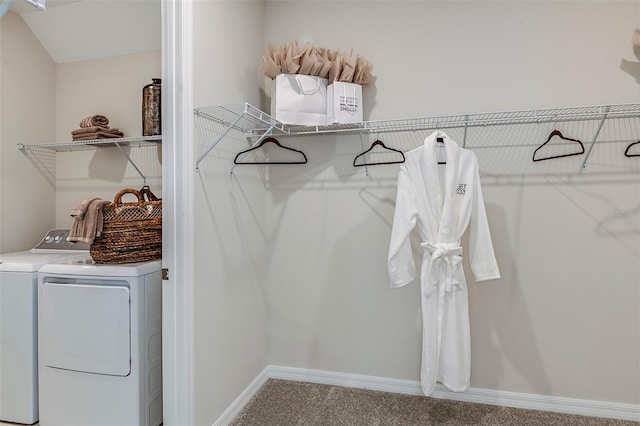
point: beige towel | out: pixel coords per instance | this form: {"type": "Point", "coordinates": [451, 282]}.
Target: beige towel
{"type": "Point", "coordinates": [97, 135]}
{"type": "Point", "coordinates": [86, 228]}
{"type": "Point", "coordinates": [95, 120]}
{"type": "Point", "coordinates": [81, 208]}
{"type": "Point", "coordinates": [94, 129]}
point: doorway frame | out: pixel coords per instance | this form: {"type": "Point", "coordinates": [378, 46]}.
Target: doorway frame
{"type": "Point", "coordinates": [178, 218]}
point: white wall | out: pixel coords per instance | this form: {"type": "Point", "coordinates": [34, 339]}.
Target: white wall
{"type": "Point", "coordinates": [564, 319]}
{"type": "Point", "coordinates": [231, 244]}
{"type": "Point", "coordinates": [111, 87]}
{"type": "Point", "coordinates": [42, 102]}
{"type": "Point", "coordinates": [27, 97]}
{"type": "Point", "coordinates": [473, 56]}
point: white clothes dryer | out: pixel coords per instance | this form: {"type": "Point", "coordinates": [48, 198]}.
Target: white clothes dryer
{"type": "Point", "coordinates": [18, 322]}
{"type": "Point", "coordinates": [100, 344]}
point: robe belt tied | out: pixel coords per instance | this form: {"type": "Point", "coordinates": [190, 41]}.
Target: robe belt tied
{"type": "Point", "coordinates": [445, 256]}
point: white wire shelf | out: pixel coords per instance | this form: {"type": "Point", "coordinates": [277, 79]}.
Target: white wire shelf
{"type": "Point", "coordinates": [43, 155]}
{"type": "Point", "coordinates": [67, 146]}
{"type": "Point", "coordinates": [252, 122]}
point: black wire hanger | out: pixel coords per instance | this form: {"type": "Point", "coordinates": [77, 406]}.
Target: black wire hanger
{"type": "Point", "coordinates": [275, 141]}
{"type": "Point", "coordinates": [378, 142]}
{"type": "Point", "coordinates": [626, 151]}
{"type": "Point", "coordinates": [551, 135]}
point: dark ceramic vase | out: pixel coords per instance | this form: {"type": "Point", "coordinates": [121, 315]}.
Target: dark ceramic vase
{"type": "Point", "coordinates": [151, 112]}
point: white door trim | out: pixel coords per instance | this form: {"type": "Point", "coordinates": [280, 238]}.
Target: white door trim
{"type": "Point", "coordinates": [177, 194]}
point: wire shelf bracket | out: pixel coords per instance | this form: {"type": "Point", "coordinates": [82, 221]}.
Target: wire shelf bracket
{"type": "Point", "coordinates": [595, 138]}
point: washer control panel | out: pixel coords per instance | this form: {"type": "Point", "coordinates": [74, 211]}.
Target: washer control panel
{"type": "Point", "coordinates": [56, 239]}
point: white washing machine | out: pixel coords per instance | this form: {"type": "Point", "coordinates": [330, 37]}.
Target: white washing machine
{"type": "Point", "coordinates": [100, 344]}
{"type": "Point", "coordinates": [19, 325]}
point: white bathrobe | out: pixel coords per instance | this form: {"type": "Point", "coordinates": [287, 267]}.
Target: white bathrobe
{"type": "Point", "coordinates": [441, 201]}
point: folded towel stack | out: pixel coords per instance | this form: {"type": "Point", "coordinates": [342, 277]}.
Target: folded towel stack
{"type": "Point", "coordinates": [95, 132]}
{"type": "Point", "coordinates": [95, 120]}
{"type": "Point", "coordinates": [95, 127]}
{"type": "Point", "coordinates": [87, 221]}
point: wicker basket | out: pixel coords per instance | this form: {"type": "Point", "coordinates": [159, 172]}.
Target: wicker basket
{"type": "Point", "coordinates": [132, 231]}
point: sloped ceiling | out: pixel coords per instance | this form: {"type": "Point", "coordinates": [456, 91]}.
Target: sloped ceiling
{"type": "Point", "coordinates": [20, 6]}
{"type": "Point", "coordinates": [77, 30]}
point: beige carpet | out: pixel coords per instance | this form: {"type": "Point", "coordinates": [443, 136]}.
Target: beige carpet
{"type": "Point", "coordinates": [282, 403]}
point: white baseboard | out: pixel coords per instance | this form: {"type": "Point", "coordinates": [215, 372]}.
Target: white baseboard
{"type": "Point", "coordinates": [481, 396]}
{"type": "Point", "coordinates": [244, 398]}
{"type": "Point", "coordinates": [344, 379]}
{"type": "Point", "coordinates": [555, 404]}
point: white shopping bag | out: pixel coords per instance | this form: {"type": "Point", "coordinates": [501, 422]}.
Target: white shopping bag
{"type": "Point", "coordinates": [344, 103]}
{"type": "Point", "coordinates": [299, 99]}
